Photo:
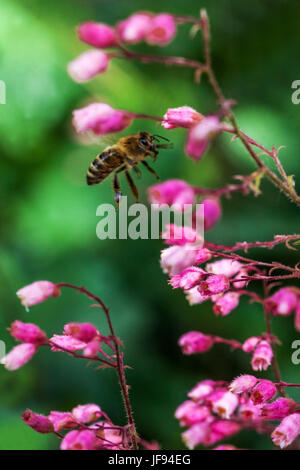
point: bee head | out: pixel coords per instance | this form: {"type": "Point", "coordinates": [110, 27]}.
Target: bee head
{"type": "Point", "coordinates": [146, 139]}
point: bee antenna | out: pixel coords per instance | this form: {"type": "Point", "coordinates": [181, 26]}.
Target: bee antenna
{"type": "Point", "coordinates": [161, 137]}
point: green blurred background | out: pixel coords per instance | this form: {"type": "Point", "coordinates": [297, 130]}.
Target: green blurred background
{"type": "Point", "coordinates": [48, 216]}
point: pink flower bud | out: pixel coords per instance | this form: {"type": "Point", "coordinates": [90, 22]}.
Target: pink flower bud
{"type": "Point", "coordinates": [215, 396]}
{"type": "Point", "coordinates": [203, 254]}
{"type": "Point", "coordinates": [226, 405]}
{"type": "Point", "coordinates": [27, 332]}
{"type": "Point", "coordinates": [262, 356]}
{"type": "Point", "coordinates": [202, 390]}
{"type": "Point", "coordinates": [249, 412]}
{"type": "Point", "coordinates": [68, 343]}
{"type": "Point", "coordinates": [19, 356]}
{"type": "Point", "coordinates": [87, 413]}
{"type": "Point", "coordinates": [189, 413]}
{"type": "Point", "coordinates": [112, 435]}
{"type": "Point", "coordinates": [97, 34]}
{"type": "Point", "coordinates": [195, 435]}
{"type": "Point", "coordinates": [185, 116]}
{"type": "Point", "coordinates": [37, 292]}
{"type": "Point", "coordinates": [225, 304]}
{"type": "Point", "coordinates": [62, 420]}
{"type": "Point", "coordinates": [200, 136]}
{"type": "Point", "coordinates": [243, 383]}
{"type": "Point", "coordinates": [283, 302]}
{"type": "Point", "coordinates": [287, 431]}
{"type": "Point", "coordinates": [88, 65]}
{"type": "Point", "coordinates": [227, 267]}
{"type": "Point", "coordinates": [171, 192]}
{"type": "Point", "coordinates": [214, 284]}
{"type": "Point", "coordinates": [92, 348]}
{"type": "Point", "coordinates": [83, 331]}
{"type": "Point", "coordinates": [135, 28]}
{"type": "Point", "coordinates": [100, 118]}
{"type": "Point", "coordinates": [279, 409]}
{"type": "Point", "coordinates": [220, 430]}
{"type": "Point", "coordinates": [212, 212]}
{"type": "Point", "coordinates": [79, 440]}
{"type": "Point", "coordinates": [162, 30]}
{"type": "Point", "coordinates": [262, 392]}
{"type": "Point", "coordinates": [195, 342]}
{"type": "Point", "coordinates": [38, 423]}
{"type": "Point", "coordinates": [175, 235]}
{"type": "Point", "coordinates": [188, 278]}
{"type": "Point", "coordinates": [194, 297]}
{"type": "Point", "coordinates": [250, 344]}
{"type": "Point", "coordinates": [175, 259]}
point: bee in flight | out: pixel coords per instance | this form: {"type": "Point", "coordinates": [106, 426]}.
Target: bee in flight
{"type": "Point", "coordinates": [125, 155]}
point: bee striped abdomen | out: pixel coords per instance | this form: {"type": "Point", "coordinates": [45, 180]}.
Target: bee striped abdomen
{"type": "Point", "coordinates": [103, 165]}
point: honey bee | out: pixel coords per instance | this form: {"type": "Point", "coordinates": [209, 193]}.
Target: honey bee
{"type": "Point", "coordinates": [125, 155]}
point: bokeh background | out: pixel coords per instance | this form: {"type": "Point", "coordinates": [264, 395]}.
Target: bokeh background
{"type": "Point", "coordinates": [48, 214]}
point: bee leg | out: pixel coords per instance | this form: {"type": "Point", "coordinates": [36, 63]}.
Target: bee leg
{"type": "Point", "coordinates": [117, 189]}
{"type": "Point", "coordinates": [134, 167]}
{"type": "Point", "coordinates": [150, 169]}
{"type": "Point", "coordinates": [132, 186]}
{"type": "Point", "coordinates": [137, 171]}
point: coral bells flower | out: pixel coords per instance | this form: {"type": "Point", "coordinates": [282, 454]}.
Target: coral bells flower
{"type": "Point", "coordinates": [226, 405]}
{"type": "Point", "coordinates": [200, 136]}
{"type": "Point", "coordinates": [175, 235]}
{"type": "Point", "coordinates": [188, 278]}
{"type": "Point", "coordinates": [27, 332]}
{"type": "Point", "coordinates": [214, 284]}
{"type": "Point", "coordinates": [195, 435]}
{"type": "Point", "coordinates": [175, 259]}
{"type": "Point", "coordinates": [39, 423]}
{"type": "Point", "coordinates": [226, 303]}
{"type": "Point", "coordinates": [185, 116]}
{"type": "Point", "coordinates": [202, 390]}
{"type": "Point", "coordinates": [100, 118]}
{"type": "Point", "coordinates": [250, 344]}
{"type": "Point", "coordinates": [135, 28]}
{"type": "Point", "coordinates": [88, 65]}
{"type": "Point", "coordinates": [79, 440]}
{"type": "Point", "coordinates": [82, 331]}
{"type": "Point", "coordinates": [162, 30]}
{"type": "Point", "coordinates": [297, 317]}
{"type": "Point", "coordinates": [227, 267]}
{"type": "Point", "coordinates": [62, 420]}
{"type": "Point", "coordinates": [262, 392]}
{"type": "Point", "coordinates": [212, 212]}
{"type": "Point", "coordinates": [249, 412]}
{"type": "Point", "coordinates": [172, 192]}
{"type": "Point", "coordinates": [92, 348]}
{"type": "Point", "coordinates": [194, 297]}
{"type": "Point", "coordinates": [189, 413]}
{"type": "Point", "coordinates": [195, 342]}
{"type": "Point", "coordinates": [262, 356]}
{"type": "Point", "coordinates": [279, 409]}
{"type": "Point", "coordinates": [287, 431]}
{"type": "Point", "coordinates": [87, 413]}
{"type": "Point", "coordinates": [220, 430]}
{"type": "Point", "coordinates": [283, 302]}
{"type": "Point", "coordinates": [97, 34]}
{"type": "Point", "coordinates": [68, 343]}
{"type": "Point", "coordinates": [243, 383]}
{"type": "Point", "coordinates": [37, 292]}
{"type": "Point", "coordinates": [19, 356]}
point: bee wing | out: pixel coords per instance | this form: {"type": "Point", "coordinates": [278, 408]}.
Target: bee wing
{"type": "Point", "coordinates": [101, 141]}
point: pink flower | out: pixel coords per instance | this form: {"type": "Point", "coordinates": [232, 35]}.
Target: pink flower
{"type": "Point", "coordinates": [203, 254]}
{"type": "Point", "coordinates": [279, 409]}
{"type": "Point", "coordinates": [100, 118]}
{"type": "Point", "coordinates": [92, 348]}
{"type": "Point", "coordinates": [202, 390]}
{"type": "Point", "coordinates": [83, 331]}
{"type": "Point", "coordinates": [188, 278]}
{"type": "Point", "coordinates": [175, 235]}
{"type": "Point", "coordinates": [162, 30]}
{"type": "Point", "coordinates": [39, 423]}
{"type": "Point", "coordinates": [225, 304]}
{"type": "Point", "coordinates": [87, 413]}
{"type": "Point", "coordinates": [250, 344]}
{"type": "Point", "coordinates": [227, 267]}
{"type": "Point", "coordinates": [195, 342]}
{"type": "Point", "coordinates": [214, 284]}
{"type": "Point", "coordinates": [243, 383]}
{"type": "Point", "coordinates": [27, 332]}
{"type": "Point", "coordinates": [297, 317]}
{"type": "Point", "coordinates": [19, 356]}
{"type": "Point", "coordinates": [262, 356]}
{"type": "Point", "coordinates": [88, 65]}
{"type": "Point", "coordinates": [215, 396]}
{"type": "Point", "coordinates": [68, 343]}
{"type": "Point", "coordinates": [200, 135]}
{"type": "Point", "coordinates": [225, 447]}
{"type": "Point", "coordinates": [249, 412]}
{"type": "Point", "coordinates": [287, 431]}
{"type": "Point", "coordinates": [172, 192]}
{"type": "Point", "coordinates": [262, 392]}
{"type": "Point", "coordinates": [185, 116]}
{"type": "Point", "coordinates": [212, 212]}
{"type": "Point", "coordinates": [37, 292]}
{"type": "Point", "coordinates": [189, 413]}
{"type": "Point", "coordinates": [195, 435]}
{"type": "Point", "coordinates": [62, 420]}
{"type": "Point", "coordinates": [97, 34]}
{"type": "Point", "coordinates": [194, 297]}
{"type": "Point", "coordinates": [79, 440]}
{"type": "Point", "coordinates": [135, 28]}
{"type": "Point", "coordinates": [175, 259]}
{"type": "Point", "coordinates": [112, 435]}
{"type": "Point", "coordinates": [283, 302]}
{"type": "Point", "coordinates": [226, 405]}
{"type": "Point", "coordinates": [220, 430]}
